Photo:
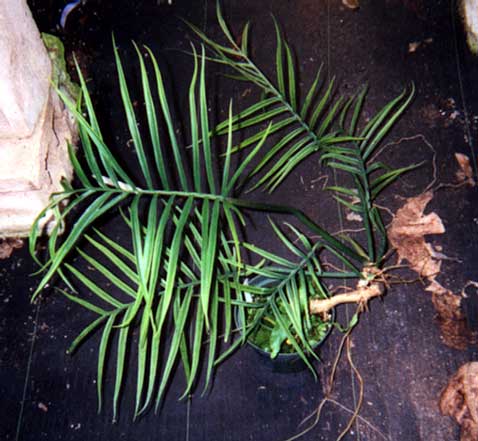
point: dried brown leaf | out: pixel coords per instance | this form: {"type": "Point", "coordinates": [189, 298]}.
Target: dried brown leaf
{"type": "Point", "coordinates": [407, 235]}
{"type": "Point", "coordinates": [8, 245]}
{"type": "Point", "coordinates": [460, 400]}
{"type": "Point", "coordinates": [351, 4]}
{"type": "Point", "coordinates": [43, 407]}
{"type": "Point", "coordinates": [413, 46]}
{"type": "Point", "coordinates": [353, 217]}
{"type": "Point", "coordinates": [451, 320]}
{"type": "Point", "coordinates": [465, 174]}
{"type": "Point", "coordinates": [469, 431]}
{"type": "Point", "coordinates": [447, 304]}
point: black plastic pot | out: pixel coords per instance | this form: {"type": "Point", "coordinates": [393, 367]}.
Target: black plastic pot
{"type": "Point", "coordinates": [283, 362]}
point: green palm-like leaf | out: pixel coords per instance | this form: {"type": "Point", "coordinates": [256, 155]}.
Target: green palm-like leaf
{"type": "Point", "coordinates": [317, 124]}
{"type": "Point", "coordinates": [184, 270]}
{"type": "Point", "coordinates": [141, 283]}
{"type": "Point", "coordinates": [311, 121]}
{"type": "Point", "coordinates": [357, 160]}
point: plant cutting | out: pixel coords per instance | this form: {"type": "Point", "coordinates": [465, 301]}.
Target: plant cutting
{"type": "Point", "coordinates": [182, 273]}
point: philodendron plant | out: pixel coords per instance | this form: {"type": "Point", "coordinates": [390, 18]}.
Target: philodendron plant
{"type": "Point", "coordinates": [184, 275]}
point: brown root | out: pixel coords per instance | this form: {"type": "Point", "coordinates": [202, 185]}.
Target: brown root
{"type": "Point", "coordinates": [360, 296]}
{"type": "Point", "coordinates": [371, 285]}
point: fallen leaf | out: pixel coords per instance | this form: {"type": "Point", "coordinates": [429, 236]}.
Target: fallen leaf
{"type": "Point", "coordinates": [465, 173]}
{"type": "Point", "coordinates": [351, 4]}
{"type": "Point", "coordinates": [413, 46]}
{"type": "Point", "coordinates": [451, 319]}
{"type": "Point", "coordinates": [353, 217]}
{"type": "Point", "coordinates": [8, 245]}
{"type": "Point", "coordinates": [448, 304]}
{"type": "Point", "coordinates": [469, 431]}
{"type": "Point", "coordinates": [460, 400]}
{"type": "Point", "coordinates": [407, 235]}
{"type": "Point", "coordinates": [43, 407]}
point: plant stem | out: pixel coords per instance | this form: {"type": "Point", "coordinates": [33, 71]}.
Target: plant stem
{"type": "Point", "coordinates": [301, 216]}
{"type": "Point", "coordinates": [256, 206]}
{"type": "Point", "coordinates": [361, 295]}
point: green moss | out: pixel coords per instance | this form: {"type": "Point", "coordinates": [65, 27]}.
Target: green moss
{"type": "Point", "coordinates": [60, 77]}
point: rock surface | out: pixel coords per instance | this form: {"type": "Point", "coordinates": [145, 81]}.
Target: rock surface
{"type": "Point", "coordinates": [469, 10]}
{"type": "Point", "coordinates": [34, 125]}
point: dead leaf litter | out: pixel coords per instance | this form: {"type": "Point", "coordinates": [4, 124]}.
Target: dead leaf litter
{"type": "Point", "coordinates": [8, 245]}
{"type": "Point", "coordinates": [459, 400]}
{"type": "Point", "coordinates": [465, 172]}
{"type": "Point", "coordinates": [351, 4]}
{"type": "Point", "coordinates": [407, 233]}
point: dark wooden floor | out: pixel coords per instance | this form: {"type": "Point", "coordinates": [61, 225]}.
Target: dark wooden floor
{"type": "Point", "coordinates": [47, 395]}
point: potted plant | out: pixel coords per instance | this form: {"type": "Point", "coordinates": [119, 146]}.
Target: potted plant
{"type": "Point", "coordinates": [274, 335]}
{"type": "Point", "coordinates": [183, 273]}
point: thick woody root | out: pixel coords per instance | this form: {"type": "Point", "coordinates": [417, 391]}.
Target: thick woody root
{"type": "Point", "coordinates": [366, 289]}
